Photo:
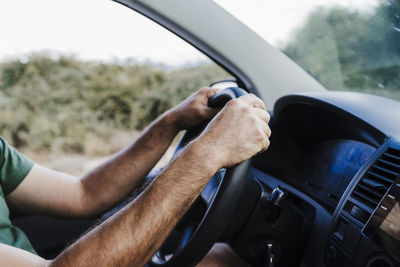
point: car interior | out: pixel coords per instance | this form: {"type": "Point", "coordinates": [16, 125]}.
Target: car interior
{"type": "Point", "coordinates": [325, 193]}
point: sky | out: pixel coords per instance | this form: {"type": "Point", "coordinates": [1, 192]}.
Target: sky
{"type": "Point", "coordinates": [104, 30]}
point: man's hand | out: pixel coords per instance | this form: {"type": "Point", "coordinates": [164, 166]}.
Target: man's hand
{"type": "Point", "coordinates": [238, 132]}
{"type": "Point", "coordinates": [194, 109]}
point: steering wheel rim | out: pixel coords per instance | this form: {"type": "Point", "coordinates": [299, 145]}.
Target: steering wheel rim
{"type": "Point", "coordinates": [221, 196]}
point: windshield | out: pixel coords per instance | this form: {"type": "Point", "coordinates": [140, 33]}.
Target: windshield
{"type": "Point", "coordinates": [346, 45]}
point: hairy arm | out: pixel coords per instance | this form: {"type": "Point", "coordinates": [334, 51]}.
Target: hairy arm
{"type": "Point", "coordinates": [53, 193]}
{"type": "Point", "coordinates": [68, 196]}
{"type": "Point", "coordinates": [115, 179]}
{"type": "Point", "coordinates": [132, 235]}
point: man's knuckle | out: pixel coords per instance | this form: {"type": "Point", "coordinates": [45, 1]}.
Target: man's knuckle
{"type": "Point", "coordinates": [233, 103]}
{"type": "Point", "coordinates": [245, 109]}
{"type": "Point", "coordinates": [260, 136]}
{"type": "Point", "coordinates": [258, 101]}
{"type": "Point", "coordinates": [268, 117]}
{"type": "Point", "coordinates": [253, 96]}
{"type": "Point", "coordinates": [269, 132]}
{"type": "Point", "coordinates": [204, 90]}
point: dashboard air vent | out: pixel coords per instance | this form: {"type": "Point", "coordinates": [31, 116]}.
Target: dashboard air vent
{"type": "Point", "coordinates": [378, 179]}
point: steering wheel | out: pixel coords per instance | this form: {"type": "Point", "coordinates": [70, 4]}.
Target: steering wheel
{"type": "Point", "coordinates": [206, 219]}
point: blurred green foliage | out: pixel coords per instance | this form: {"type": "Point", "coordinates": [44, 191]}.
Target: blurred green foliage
{"type": "Point", "coordinates": [57, 104]}
{"type": "Point", "coordinates": [351, 50]}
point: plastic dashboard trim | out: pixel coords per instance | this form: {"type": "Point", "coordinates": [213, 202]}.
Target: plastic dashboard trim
{"type": "Point", "coordinates": [376, 138]}
{"type": "Point", "coordinates": [322, 219]}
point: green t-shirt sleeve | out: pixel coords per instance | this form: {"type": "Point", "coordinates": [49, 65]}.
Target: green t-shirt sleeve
{"type": "Point", "coordinates": [14, 167]}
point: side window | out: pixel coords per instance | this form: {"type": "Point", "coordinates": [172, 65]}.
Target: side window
{"type": "Point", "coordinates": [79, 80]}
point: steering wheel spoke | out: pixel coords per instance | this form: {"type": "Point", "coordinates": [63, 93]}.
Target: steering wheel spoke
{"type": "Point", "coordinates": [210, 190]}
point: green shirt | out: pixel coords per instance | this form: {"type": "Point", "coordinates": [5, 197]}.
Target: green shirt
{"type": "Point", "coordinates": [14, 167]}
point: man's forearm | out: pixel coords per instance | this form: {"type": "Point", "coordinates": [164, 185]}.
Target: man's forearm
{"type": "Point", "coordinates": [131, 236]}
{"type": "Point", "coordinates": [116, 178]}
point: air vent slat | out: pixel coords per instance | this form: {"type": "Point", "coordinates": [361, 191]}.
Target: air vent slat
{"type": "Point", "coordinates": [389, 163]}
{"type": "Point", "coordinates": [371, 188]}
{"type": "Point", "coordinates": [372, 192]}
{"type": "Point", "coordinates": [361, 204]}
{"type": "Point", "coordinates": [367, 194]}
{"type": "Point", "coordinates": [391, 156]}
{"type": "Point", "coordinates": [376, 188]}
{"type": "Point", "coordinates": [367, 198]}
{"type": "Point", "coordinates": [380, 177]}
{"type": "Point", "coordinates": [385, 170]}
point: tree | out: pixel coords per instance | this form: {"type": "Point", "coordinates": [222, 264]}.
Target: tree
{"type": "Point", "coordinates": [350, 50]}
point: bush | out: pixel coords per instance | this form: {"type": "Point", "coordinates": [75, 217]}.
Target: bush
{"type": "Point", "coordinates": [56, 104]}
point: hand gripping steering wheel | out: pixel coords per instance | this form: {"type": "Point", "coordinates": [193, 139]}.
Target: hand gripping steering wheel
{"type": "Point", "coordinates": [207, 218]}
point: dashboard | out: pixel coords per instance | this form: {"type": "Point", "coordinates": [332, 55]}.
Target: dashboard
{"type": "Point", "coordinates": [326, 169]}
{"type": "Point", "coordinates": [338, 156]}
